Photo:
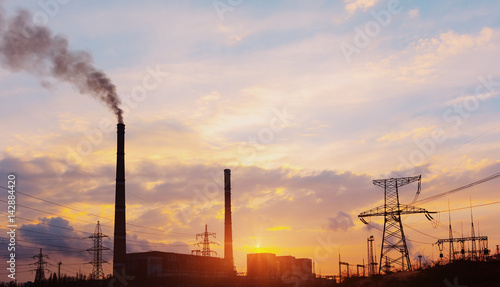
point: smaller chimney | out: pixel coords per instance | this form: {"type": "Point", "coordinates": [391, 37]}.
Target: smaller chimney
{"type": "Point", "coordinates": [228, 230]}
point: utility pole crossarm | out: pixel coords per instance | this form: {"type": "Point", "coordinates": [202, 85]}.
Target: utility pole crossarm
{"type": "Point", "coordinates": [396, 181]}
{"type": "Point", "coordinates": [403, 209]}
{"type": "Point", "coordinates": [462, 239]}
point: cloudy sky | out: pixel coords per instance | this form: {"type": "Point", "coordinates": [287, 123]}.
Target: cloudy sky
{"type": "Point", "coordinates": [306, 102]}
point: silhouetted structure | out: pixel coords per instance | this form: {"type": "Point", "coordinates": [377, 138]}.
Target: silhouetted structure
{"type": "Point", "coordinates": [157, 266]}
{"type": "Point", "coordinates": [185, 269]}
{"type": "Point", "coordinates": [266, 268]}
{"type": "Point", "coordinates": [119, 244]}
{"type": "Point", "coordinates": [205, 251]}
{"type": "Point", "coordinates": [262, 266]}
{"type": "Point", "coordinates": [394, 241]}
{"type": "Point", "coordinates": [59, 271]}
{"type": "Point", "coordinates": [40, 267]}
{"type": "Point", "coordinates": [362, 266]}
{"type": "Point", "coordinates": [472, 253]}
{"type": "Point", "coordinates": [96, 250]}
{"type": "Point", "coordinates": [228, 229]}
{"type": "Point", "coordinates": [371, 260]}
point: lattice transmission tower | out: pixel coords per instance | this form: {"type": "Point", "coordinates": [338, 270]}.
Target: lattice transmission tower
{"type": "Point", "coordinates": [97, 251]}
{"type": "Point", "coordinates": [40, 267]}
{"type": "Point", "coordinates": [205, 251]}
{"type": "Point", "coordinates": [394, 252]}
{"type": "Point", "coordinates": [372, 264]}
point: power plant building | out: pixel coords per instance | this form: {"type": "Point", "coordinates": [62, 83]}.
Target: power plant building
{"type": "Point", "coordinates": [267, 267]}
{"type": "Point", "coordinates": [262, 266]}
{"type": "Point", "coordinates": [175, 267]}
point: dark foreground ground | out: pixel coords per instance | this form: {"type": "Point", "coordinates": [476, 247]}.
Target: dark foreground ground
{"type": "Point", "coordinates": [457, 274]}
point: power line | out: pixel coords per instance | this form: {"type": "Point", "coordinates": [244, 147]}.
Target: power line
{"type": "Point", "coordinates": [48, 154]}
{"type": "Point", "coordinates": [61, 205]}
{"type": "Point", "coordinates": [80, 238]}
{"type": "Point", "coordinates": [53, 234]}
{"type": "Point", "coordinates": [48, 212]}
{"type": "Point", "coordinates": [468, 207]}
{"type": "Point", "coordinates": [421, 232]}
{"type": "Point", "coordinates": [376, 227]}
{"type": "Point", "coordinates": [454, 148]}
{"type": "Point", "coordinates": [62, 161]}
{"type": "Point", "coordinates": [48, 224]}
{"type": "Point", "coordinates": [92, 214]}
{"type": "Point", "coordinates": [45, 244]}
{"type": "Point", "coordinates": [437, 196]}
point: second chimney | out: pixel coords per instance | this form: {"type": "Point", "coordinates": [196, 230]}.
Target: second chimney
{"type": "Point", "coordinates": [228, 230]}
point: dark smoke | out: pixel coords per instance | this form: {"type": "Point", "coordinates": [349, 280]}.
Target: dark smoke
{"type": "Point", "coordinates": [25, 46]}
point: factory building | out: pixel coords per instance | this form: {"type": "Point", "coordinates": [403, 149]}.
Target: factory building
{"type": "Point", "coordinates": [262, 266]}
{"type": "Point", "coordinates": [175, 267]}
{"type": "Point", "coordinates": [267, 267]}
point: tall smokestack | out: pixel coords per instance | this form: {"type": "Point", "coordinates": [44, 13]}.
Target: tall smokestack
{"type": "Point", "coordinates": [119, 245]}
{"type": "Point", "coordinates": [228, 229]}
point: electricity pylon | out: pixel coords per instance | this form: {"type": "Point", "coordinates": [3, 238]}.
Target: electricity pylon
{"type": "Point", "coordinates": [371, 259]}
{"type": "Point", "coordinates": [40, 268]}
{"type": "Point", "coordinates": [394, 251]}
{"type": "Point", "coordinates": [97, 250]}
{"type": "Point", "coordinates": [205, 243]}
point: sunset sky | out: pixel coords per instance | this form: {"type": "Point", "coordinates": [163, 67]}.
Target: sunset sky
{"type": "Point", "coordinates": [305, 101]}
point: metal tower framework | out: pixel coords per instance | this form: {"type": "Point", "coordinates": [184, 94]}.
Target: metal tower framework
{"type": "Point", "coordinates": [97, 250]}
{"type": "Point", "coordinates": [340, 269]}
{"type": "Point", "coordinates": [205, 243]}
{"type": "Point", "coordinates": [479, 254]}
{"type": "Point", "coordinates": [394, 251]}
{"type": "Point", "coordinates": [40, 267]}
{"type": "Point", "coordinates": [371, 260]}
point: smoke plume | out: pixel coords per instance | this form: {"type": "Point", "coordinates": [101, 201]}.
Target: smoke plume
{"type": "Point", "coordinates": [342, 222]}
{"type": "Point", "coordinates": [27, 47]}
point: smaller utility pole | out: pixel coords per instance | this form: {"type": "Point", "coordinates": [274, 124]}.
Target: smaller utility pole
{"type": "Point", "coordinates": [59, 271]}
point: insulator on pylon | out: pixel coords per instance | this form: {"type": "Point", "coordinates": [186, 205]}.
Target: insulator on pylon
{"type": "Point", "coordinates": [429, 217]}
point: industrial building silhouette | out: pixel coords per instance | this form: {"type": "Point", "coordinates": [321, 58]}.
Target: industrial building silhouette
{"type": "Point", "coordinates": [176, 269]}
